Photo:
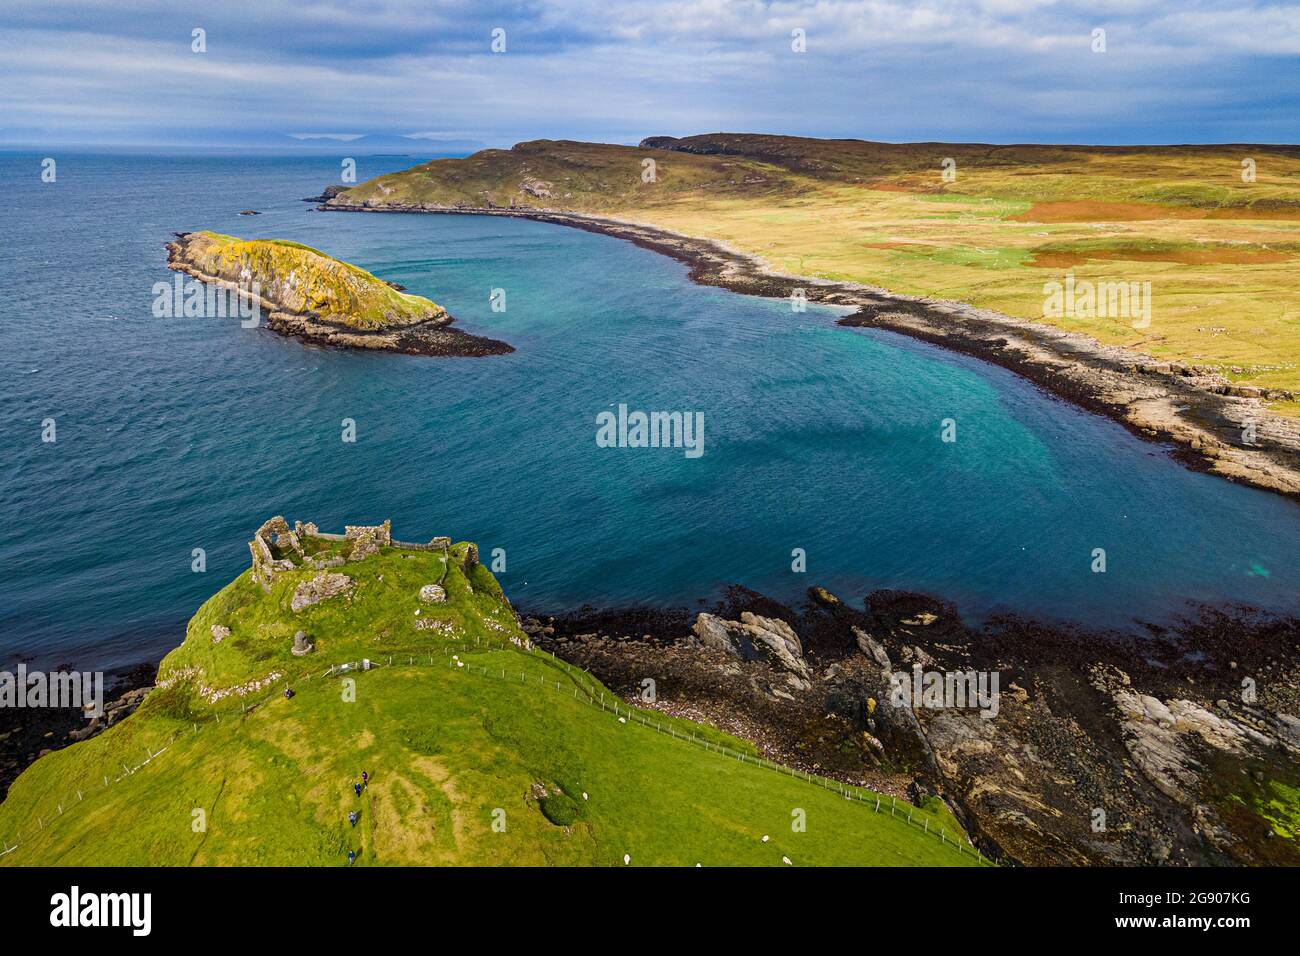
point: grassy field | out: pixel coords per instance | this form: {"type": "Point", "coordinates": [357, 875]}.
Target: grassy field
{"type": "Point", "coordinates": [456, 737]}
{"type": "Point", "coordinates": [1220, 248]}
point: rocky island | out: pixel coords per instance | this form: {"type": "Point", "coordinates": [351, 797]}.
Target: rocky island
{"type": "Point", "coordinates": [315, 297]}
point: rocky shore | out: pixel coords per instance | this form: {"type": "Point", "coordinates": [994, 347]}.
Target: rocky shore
{"type": "Point", "coordinates": [1178, 747]}
{"type": "Point", "coordinates": [273, 294]}
{"type": "Point", "coordinates": [29, 733]}
{"type": "Point", "coordinates": [1214, 425]}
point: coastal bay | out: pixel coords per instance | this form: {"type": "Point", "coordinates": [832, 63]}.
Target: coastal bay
{"type": "Point", "coordinates": [820, 437]}
{"type": "Point", "coordinates": [750, 187]}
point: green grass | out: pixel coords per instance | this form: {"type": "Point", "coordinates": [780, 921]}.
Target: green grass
{"type": "Point", "coordinates": [303, 280]}
{"type": "Point", "coordinates": [1282, 810]}
{"type": "Point", "coordinates": [456, 736]}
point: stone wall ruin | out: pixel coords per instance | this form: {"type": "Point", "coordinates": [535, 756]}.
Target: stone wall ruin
{"type": "Point", "coordinates": [276, 547]}
{"type": "Point", "coordinates": [269, 547]}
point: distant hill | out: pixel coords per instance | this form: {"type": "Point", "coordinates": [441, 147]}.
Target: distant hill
{"type": "Point", "coordinates": [393, 143]}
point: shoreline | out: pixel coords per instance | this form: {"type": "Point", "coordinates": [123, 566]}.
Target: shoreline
{"type": "Point", "coordinates": [1081, 723]}
{"type": "Point", "coordinates": [1085, 705]}
{"type": "Point", "coordinates": [28, 734]}
{"type": "Point", "coordinates": [1199, 412]}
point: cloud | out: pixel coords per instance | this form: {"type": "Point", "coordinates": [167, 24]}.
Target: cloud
{"type": "Point", "coordinates": [992, 70]}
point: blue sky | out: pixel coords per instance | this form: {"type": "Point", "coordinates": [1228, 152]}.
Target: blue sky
{"type": "Point", "coordinates": [123, 71]}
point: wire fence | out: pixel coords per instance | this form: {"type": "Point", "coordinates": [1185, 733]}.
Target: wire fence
{"type": "Point", "coordinates": [610, 703]}
{"type": "Point", "coordinates": [585, 689]}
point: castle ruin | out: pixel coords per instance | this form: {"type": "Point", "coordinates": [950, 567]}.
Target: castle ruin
{"type": "Point", "coordinates": [276, 547]}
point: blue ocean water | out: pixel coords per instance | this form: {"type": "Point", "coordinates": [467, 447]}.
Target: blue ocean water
{"type": "Point", "coordinates": [175, 434]}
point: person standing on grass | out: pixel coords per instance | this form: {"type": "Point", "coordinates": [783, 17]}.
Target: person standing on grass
{"type": "Point", "coordinates": [357, 788]}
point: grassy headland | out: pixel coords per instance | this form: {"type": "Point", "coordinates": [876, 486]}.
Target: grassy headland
{"type": "Point", "coordinates": [480, 750]}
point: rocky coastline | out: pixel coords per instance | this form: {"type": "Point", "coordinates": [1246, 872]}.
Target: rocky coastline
{"type": "Point", "coordinates": [29, 733]}
{"type": "Point", "coordinates": [1172, 746]}
{"type": "Point", "coordinates": [1164, 748]}
{"type": "Point", "coordinates": [1213, 425]}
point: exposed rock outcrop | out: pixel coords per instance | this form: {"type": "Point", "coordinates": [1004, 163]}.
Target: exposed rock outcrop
{"type": "Point", "coordinates": [753, 636]}
{"type": "Point", "coordinates": [1098, 749]}
{"type": "Point", "coordinates": [1177, 742]}
{"type": "Point", "coordinates": [114, 711]}
{"type": "Point", "coordinates": [328, 193]}
{"type": "Point", "coordinates": [320, 588]}
{"type": "Point", "coordinates": [536, 187]}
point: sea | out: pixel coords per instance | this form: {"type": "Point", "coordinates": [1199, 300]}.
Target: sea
{"type": "Point", "coordinates": [141, 452]}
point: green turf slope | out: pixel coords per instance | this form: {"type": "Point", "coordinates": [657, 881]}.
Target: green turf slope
{"type": "Point", "coordinates": [480, 751]}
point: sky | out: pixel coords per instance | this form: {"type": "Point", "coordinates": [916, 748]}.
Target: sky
{"type": "Point", "coordinates": [312, 73]}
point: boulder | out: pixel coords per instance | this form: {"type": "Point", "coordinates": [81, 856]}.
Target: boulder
{"type": "Point", "coordinates": [924, 619]}
{"type": "Point", "coordinates": [219, 633]}
{"type": "Point", "coordinates": [777, 641]}
{"type": "Point", "coordinates": [433, 594]}
{"type": "Point", "coordinates": [872, 648]}
{"type": "Point", "coordinates": [300, 646]}
{"type": "Point", "coordinates": [712, 632]}
{"type": "Point", "coordinates": [322, 586]}
{"type": "Point", "coordinates": [536, 187]}
{"type": "Point", "coordinates": [757, 637]}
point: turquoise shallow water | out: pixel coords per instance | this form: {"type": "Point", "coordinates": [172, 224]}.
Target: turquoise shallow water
{"type": "Point", "coordinates": [182, 433]}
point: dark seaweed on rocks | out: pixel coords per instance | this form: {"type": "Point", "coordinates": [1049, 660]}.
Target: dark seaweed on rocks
{"type": "Point", "coordinates": [1107, 747]}
{"type": "Point", "coordinates": [28, 733]}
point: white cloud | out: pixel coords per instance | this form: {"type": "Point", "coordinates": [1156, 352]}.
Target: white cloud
{"type": "Point", "coordinates": [932, 69]}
